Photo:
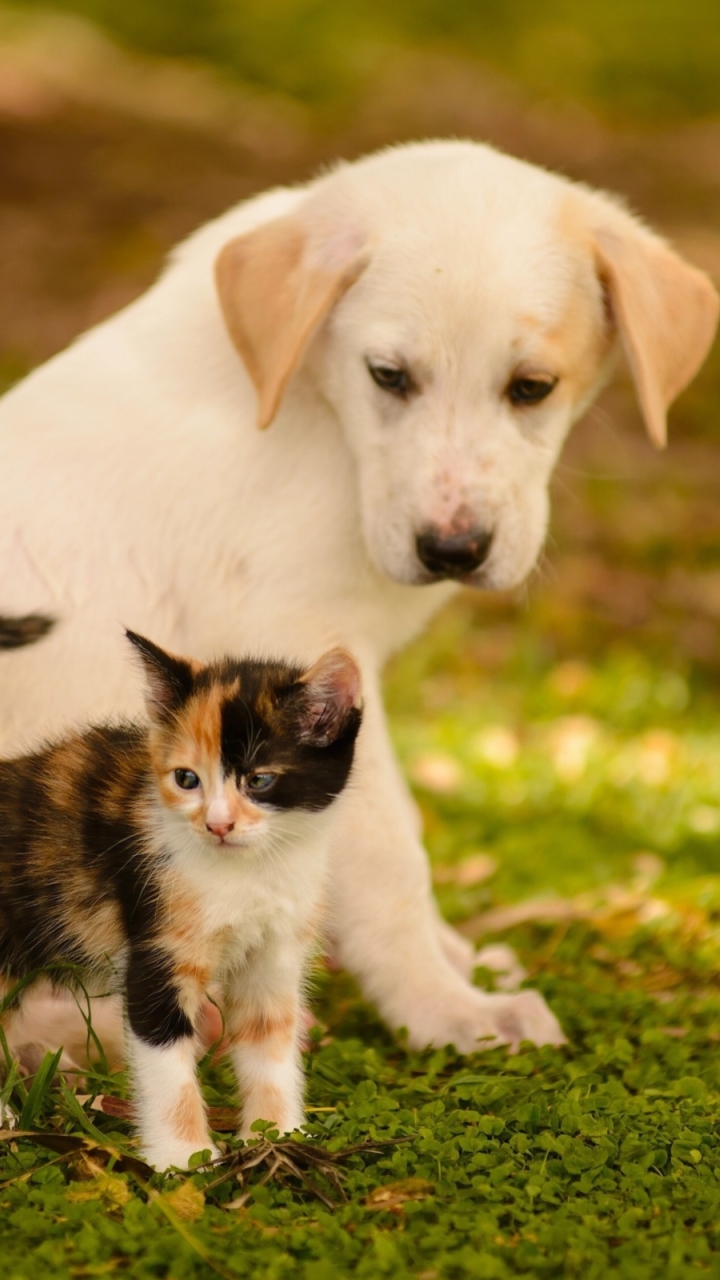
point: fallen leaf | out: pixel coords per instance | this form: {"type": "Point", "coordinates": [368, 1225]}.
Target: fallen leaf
{"type": "Point", "coordinates": [187, 1201]}
{"type": "Point", "coordinates": [113, 1191]}
{"type": "Point", "coordinates": [394, 1195]}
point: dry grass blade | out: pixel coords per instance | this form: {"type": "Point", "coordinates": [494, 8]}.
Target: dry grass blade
{"type": "Point", "coordinates": [296, 1161]}
{"type": "Point", "coordinates": [69, 1144]}
{"type": "Point", "coordinates": [605, 906]}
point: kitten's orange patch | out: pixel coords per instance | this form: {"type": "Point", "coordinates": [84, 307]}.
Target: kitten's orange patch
{"type": "Point", "coordinates": [184, 935]}
{"type": "Point", "coordinates": [65, 780]}
{"type": "Point", "coordinates": [194, 973]}
{"type": "Point", "coordinates": [244, 812]}
{"type": "Point", "coordinates": [187, 1117]}
{"type": "Point", "coordinates": [182, 912]}
{"type": "Point", "coordinates": [259, 1025]}
{"type": "Point", "coordinates": [99, 932]}
{"type": "Point", "coordinates": [200, 721]}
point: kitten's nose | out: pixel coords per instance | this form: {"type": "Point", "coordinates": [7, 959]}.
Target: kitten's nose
{"type": "Point", "coordinates": [220, 829]}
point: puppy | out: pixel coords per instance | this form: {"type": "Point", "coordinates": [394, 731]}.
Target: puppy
{"type": "Point", "coordinates": [339, 402]}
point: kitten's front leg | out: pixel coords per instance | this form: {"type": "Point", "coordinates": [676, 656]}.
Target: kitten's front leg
{"type": "Point", "coordinates": [160, 1019]}
{"type": "Point", "coordinates": [262, 1007]}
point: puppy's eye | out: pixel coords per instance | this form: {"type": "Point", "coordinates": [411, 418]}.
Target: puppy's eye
{"type": "Point", "coordinates": [186, 779]}
{"type": "Point", "coordinates": [260, 782]}
{"type": "Point", "coordinates": [530, 390]}
{"type": "Point", "coordinates": [392, 378]}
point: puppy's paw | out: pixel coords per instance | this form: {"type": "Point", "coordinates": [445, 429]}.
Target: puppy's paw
{"type": "Point", "coordinates": [474, 1020]}
{"type": "Point", "coordinates": [503, 963]}
{"type": "Point", "coordinates": [526, 1016]}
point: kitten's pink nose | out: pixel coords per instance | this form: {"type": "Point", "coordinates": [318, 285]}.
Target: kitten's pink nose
{"type": "Point", "coordinates": [220, 829]}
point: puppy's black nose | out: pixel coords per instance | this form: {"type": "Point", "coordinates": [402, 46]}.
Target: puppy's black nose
{"type": "Point", "coordinates": [454, 556]}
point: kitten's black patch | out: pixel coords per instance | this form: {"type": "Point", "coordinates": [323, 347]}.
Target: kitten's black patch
{"type": "Point", "coordinates": [17, 632]}
{"type": "Point", "coordinates": [153, 1009]}
{"type": "Point", "coordinates": [242, 732]}
{"type": "Point", "coordinates": [170, 679]}
{"type": "Point", "coordinates": [264, 727]}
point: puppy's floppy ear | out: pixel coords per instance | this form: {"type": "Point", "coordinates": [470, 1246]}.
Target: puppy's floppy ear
{"type": "Point", "coordinates": [331, 699]}
{"type": "Point", "coordinates": [276, 285]}
{"type": "Point", "coordinates": [665, 311]}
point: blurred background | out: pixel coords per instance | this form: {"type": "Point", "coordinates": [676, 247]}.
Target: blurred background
{"type": "Point", "coordinates": [126, 123]}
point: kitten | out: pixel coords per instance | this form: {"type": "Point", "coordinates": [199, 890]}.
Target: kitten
{"type": "Point", "coordinates": [161, 858]}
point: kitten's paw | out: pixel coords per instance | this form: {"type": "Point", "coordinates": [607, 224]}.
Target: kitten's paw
{"type": "Point", "coordinates": [474, 1020]}
{"type": "Point", "coordinates": [176, 1155]}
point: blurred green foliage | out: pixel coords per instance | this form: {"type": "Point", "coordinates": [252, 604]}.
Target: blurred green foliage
{"type": "Point", "coordinates": [643, 59]}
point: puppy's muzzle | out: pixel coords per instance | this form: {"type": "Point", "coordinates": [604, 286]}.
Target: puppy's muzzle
{"type": "Point", "coordinates": [453, 556]}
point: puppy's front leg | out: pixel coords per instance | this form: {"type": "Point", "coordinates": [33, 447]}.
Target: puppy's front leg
{"type": "Point", "coordinates": [384, 922]}
{"type": "Point", "coordinates": [262, 1008]}
{"type": "Point", "coordinates": [161, 1054]}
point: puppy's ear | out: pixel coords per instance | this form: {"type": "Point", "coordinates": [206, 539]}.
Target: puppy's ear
{"type": "Point", "coordinates": [665, 311]}
{"type": "Point", "coordinates": [276, 285]}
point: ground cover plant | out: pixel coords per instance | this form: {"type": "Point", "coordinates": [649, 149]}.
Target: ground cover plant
{"type": "Point", "coordinates": [564, 746]}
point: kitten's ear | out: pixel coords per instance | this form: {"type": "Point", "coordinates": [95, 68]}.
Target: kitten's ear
{"type": "Point", "coordinates": [169, 680]}
{"type": "Point", "coordinates": [331, 699]}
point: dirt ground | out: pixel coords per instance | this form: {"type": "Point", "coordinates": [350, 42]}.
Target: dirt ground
{"type": "Point", "coordinates": [101, 174]}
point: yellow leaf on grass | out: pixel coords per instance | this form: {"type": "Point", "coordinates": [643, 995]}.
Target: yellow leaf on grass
{"type": "Point", "coordinates": [187, 1201]}
{"type": "Point", "coordinates": [394, 1195]}
{"type": "Point", "coordinates": [108, 1187]}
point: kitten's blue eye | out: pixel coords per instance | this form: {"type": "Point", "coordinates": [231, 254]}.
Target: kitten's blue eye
{"type": "Point", "coordinates": [258, 782]}
{"type": "Point", "coordinates": [186, 779]}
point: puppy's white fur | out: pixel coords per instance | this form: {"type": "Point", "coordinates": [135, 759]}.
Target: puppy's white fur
{"type": "Point", "coordinates": [135, 486]}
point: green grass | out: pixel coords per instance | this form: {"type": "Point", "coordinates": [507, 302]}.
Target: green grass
{"type": "Point", "coordinates": [599, 1159]}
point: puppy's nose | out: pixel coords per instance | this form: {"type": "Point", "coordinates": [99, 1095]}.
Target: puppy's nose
{"type": "Point", "coordinates": [220, 829]}
{"type": "Point", "coordinates": [453, 556]}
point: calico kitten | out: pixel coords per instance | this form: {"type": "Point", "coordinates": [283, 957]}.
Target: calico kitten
{"type": "Point", "coordinates": [161, 858]}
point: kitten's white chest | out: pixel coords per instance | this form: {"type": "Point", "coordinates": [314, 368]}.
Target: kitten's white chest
{"type": "Point", "coordinates": [247, 899]}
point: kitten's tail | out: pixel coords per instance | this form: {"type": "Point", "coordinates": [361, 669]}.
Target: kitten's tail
{"type": "Point", "coordinates": [16, 632]}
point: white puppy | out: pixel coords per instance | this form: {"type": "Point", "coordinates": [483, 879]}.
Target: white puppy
{"type": "Point", "coordinates": [418, 330]}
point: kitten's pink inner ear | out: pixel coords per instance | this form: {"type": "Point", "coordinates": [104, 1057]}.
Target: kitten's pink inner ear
{"type": "Point", "coordinates": [666, 312]}
{"type": "Point", "coordinates": [275, 291]}
{"type": "Point", "coordinates": [333, 687]}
